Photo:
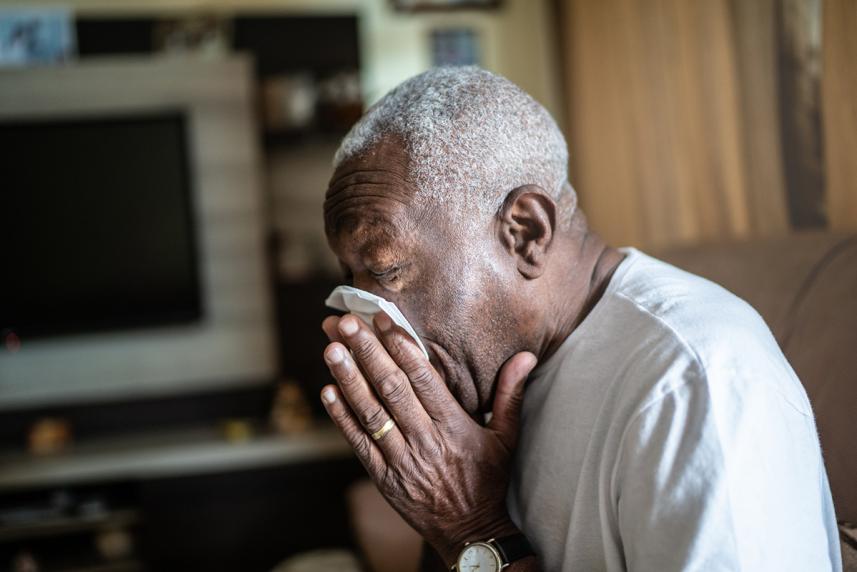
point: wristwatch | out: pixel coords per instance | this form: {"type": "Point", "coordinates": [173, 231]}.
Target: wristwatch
{"type": "Point", "coordinates": [492, 555]}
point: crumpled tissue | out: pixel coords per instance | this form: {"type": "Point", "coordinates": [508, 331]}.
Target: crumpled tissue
{"type": "Point", "coordinates": [366, 304]}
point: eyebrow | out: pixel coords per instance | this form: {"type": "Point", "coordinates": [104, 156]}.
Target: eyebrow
{"type": "Point", "coordinates": [348, 215]}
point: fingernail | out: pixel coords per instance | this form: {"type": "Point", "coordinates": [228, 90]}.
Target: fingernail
{"type": "Point", "coordinates": [383, 321]}
{"type": "Point", "coordinates": [348, 326]}
{"type": "Point", "coordinates": [334, 355]}
{"type": "Point", "coordinates": [534, 361]}
{"type": "Point", "coordinates": [328, 395]}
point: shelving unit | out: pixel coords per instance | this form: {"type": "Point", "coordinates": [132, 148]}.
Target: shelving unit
{"type": "Point", "coordinates": [166, 454]}
{"type": "Point", "coordinates": [182, 496]}
{"type": "Point", "coordinates": [189, 498]}
{"type": "Point", "coordinates": [129, 566]}
{"type": "Point", "coordinates": [64, 525]}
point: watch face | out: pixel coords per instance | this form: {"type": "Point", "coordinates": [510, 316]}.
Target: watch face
{"type": "Point", "coordinates": [479, 557]}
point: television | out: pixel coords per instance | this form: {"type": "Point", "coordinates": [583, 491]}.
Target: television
{"type": "Point", "coordinates": [133, 260]}
{"type": "Point", "coordinates": [98, 223]}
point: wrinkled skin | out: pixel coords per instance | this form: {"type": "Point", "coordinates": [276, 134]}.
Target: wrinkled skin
{"type": "Point", "coordinates": [488, 298]}
{"type": "Point", "coordinates": [402, 253]}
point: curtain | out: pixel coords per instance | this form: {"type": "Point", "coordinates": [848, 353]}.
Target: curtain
{"type": "Point", "coordinates": [839, 94]}
{"type": "Point", "coordinates": [697, 121]}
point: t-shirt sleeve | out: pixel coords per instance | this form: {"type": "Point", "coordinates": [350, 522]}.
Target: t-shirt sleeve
{"type": "Point", "coordinates": [722, 475]}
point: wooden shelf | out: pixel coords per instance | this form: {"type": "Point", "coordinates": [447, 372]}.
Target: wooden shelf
{"type": "Point", "coordinates": [122, 566]}
{"type": "Point", "coordinates": [68, 525]}
{"type": "Point", "coordinates": [169, 454]}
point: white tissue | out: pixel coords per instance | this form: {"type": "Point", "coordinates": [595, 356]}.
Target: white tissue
{"type": "Point", "coordinates": [365, 305]}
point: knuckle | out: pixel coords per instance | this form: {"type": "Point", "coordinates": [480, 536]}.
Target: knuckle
{"type": "Point", "coordinates": [399, 348]}
{"type": "Point", "coordinates": [392, 386]}
{"type": "Point", "coordinates": [422, 377]}
{"type": "Point", "coordinates": [339, 414]}
{"type": "Point", "coordinates": [347, 375]}
{"type": "Point", "coordinates": [362, 447]}
{"type": "Point", "coordinates": [412, 363]}
{"type": "Point", "coordinates": [364, 348]}
{"type": "Point", "coordinates": [373, 417]}
{"type": "Point", "coordinates": [514, 400]}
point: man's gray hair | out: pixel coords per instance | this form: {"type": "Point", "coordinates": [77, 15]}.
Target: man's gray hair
{"type": "Point", "coordinates": [471, 137]}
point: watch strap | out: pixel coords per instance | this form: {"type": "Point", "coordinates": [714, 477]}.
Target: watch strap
{"type": "Point", "coordinates": [513, 547]}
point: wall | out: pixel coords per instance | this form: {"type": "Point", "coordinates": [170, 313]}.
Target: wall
{"type": "Point", "coordinates": [517, 39]}
{"type": "Point", "coordinates": [517, 42]}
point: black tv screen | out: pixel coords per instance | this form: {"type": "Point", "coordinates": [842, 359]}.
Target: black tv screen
{"type": "Point", "coordinates": [97, 225]}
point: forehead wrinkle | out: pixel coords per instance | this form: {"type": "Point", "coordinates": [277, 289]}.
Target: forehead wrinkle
{"type": "Point", "coordinates": [364, 175]}
{"type": "Point", "coordinates": [381, 191]}
{"type": "Point", "coordinates": [377, 181]}
{"type": "Point", "coordinates": [357, 204]}
{"type": "Point", "coordinates": [373, 186]}
{"type": "Point", "coordinates": [359, 188]}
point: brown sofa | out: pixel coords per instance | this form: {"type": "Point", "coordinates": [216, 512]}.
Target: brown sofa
{"type": "Point", "coordinates": [805, 287]}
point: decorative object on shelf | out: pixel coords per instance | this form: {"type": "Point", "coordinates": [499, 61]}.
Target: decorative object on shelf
{"type": "Point", "coordinates": [24, 561]}
{"type": "Point", "coordinates": [114, 543]}
{"type": "Point", "coordinates": [323, 560]}
{"type": "Point", "coordinates": [418, 5]}
{"type": "Point", "coordinates": [238, 430]}
{"type": "Point", "coordinates": [49, 435]}
{"type": "Point", "coordinates": [290, 412]}
{"type": "Point", "coordinates": [199, 35]}
{"type": "Point", "coordinates": [11, 341]}
{"type": "Point", "coordinates": [340, 102]}
{"type": "Point", "coordinates": [35, 36]}
{"type": "Point", "coordinates": [455, 47]}
{"type": "Point", "coordinates": [289, 101]}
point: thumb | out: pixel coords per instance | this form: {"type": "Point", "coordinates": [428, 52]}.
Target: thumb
{"type": "Point", "coordinates": [509, 397]}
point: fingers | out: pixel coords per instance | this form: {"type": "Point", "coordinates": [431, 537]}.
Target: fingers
{"type": "Point", "coordinates": [329, 325]}
{"type": "Point", "coordinates": [364, 447]}
{"type": "Point", "coordinates": [389, 381]}
{"type": "Point", "coordinates": [509, 397]}
{"type": "Point", "coordinates": [427, 384]}
{"type": "Point", "coordinates": [359, 396]}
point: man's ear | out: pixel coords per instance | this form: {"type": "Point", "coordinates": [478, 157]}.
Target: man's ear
{"type": "Point", "coordinates": [526, 225]}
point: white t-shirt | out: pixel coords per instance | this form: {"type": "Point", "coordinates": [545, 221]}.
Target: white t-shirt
{"type": "Point", "coordinates": [668, 432]}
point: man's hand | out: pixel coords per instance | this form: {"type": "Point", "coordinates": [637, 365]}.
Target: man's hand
{"type": "Point", "coordinates": [442, 471]}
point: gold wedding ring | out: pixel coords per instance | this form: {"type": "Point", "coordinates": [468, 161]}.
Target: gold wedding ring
{"type": "Point", "coordinates": [384, 430]}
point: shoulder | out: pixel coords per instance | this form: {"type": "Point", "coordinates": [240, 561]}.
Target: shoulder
{"type": "Point", "coordinates": [699, 334]}
{"type": "Point", "coordinates": [695, 309]}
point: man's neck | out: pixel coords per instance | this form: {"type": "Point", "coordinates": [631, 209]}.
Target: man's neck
{"type": "Point", "coordinates": [588, 275]}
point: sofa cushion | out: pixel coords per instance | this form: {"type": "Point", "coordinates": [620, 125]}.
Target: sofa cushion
{"type": "Point", "coordinates": [821, 345]}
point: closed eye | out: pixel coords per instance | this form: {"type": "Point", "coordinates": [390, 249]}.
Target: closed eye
{"type": "Point", "coordinates": [389, 274]}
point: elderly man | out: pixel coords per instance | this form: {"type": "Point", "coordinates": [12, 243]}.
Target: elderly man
{"type": "Point", "coordinates": [662, 428]}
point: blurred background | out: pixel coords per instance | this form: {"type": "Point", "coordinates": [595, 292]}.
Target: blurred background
{"type": "Point", "coordinates": [163, 266]}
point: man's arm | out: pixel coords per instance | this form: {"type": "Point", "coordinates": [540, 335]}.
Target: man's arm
{"type": "Point", "coordinates": [444, 473]}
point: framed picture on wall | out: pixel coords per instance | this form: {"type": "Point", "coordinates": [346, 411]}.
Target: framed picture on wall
{"type": "Point", "coordinates": [455, 47]}
{"type": "Point", "coordinates": [36, 36]}
{"type": "Point", "coordinates": [423, 5]}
